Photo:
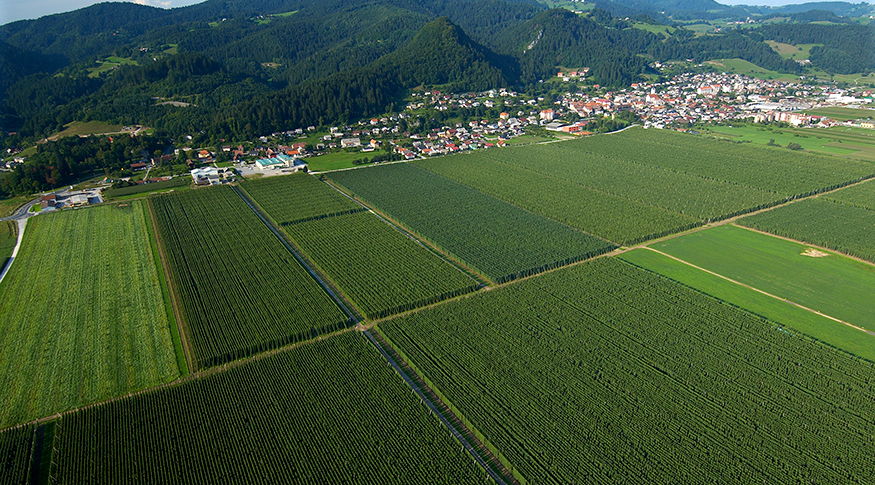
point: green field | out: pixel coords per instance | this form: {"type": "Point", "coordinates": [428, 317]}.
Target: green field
{"type": "Point", "coordinates": [837, 286]}
{"type": "Point", "coordinates": [15, 449]}
{"type": "Point", "coordinates": [604, 373]}
{"type": "Point", "coordinates": [609, 216]}
{"type": "Point", "coordinates": [240, 290]}
{"type": "Point", "coordinates": [821, 222]}
{"type": "Point", "coordinates": [795, 318]}
{"type": "Point", "coordinates": [328, 412]}
{"type": "Point", "coordinates": [381, 270]}
{"type": "Point", "coordinates": [8, 206]}
{"type": "Point", "coordinates": [172, 184]}
{"type": "Point", "coordinates": [500, 241]}
{"type": "Point", "coordinates": [844, 114]}
{"type": "Point", "coordinates": [299, 197]}
{"type": "Point", "coordinates": [77, 128]}
{"type": "Point", "coordinates": [94, 324]}
{"type": "Point", "coordinates": [8, 239]}
{"type": "Point", "coordinates": [740, 66]}
{"type": "Point", "coordinates": [860, 195]}
{"type": "Point", "coordinates": [796, 52]}
{"type": "Point", "coordinates": [337, 160]}
{"type": "Point", "coordinates": [811, 140]}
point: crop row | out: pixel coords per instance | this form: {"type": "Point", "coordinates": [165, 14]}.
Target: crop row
{"type": "Point", "coordinates": [860, 195]}
{"type": "Point", "coordinates": [15, 455]}
{"type": "Point", "coordinates": [499, 240]}
{"type": "Point", "coordinates": [779, 170]}
{"type": "Point", "coordinates": [81, 314]}
{"type": "Point", "coordinates": [297, 198]}
{"type": "Point", "coordinates": [241, 291]}
{"type": "Point", "coordinates": [603, 373]}
{"type": "Point", "coordinates": [605, 215]}
{"type": "Point", "coordinates": [381, 270]}
{"type": "Point", "coordinates": [691, 195]}
{"type": "Point", "coordinates": [328, 412]}
{"type": "Point", "coordinates": [832, 225]}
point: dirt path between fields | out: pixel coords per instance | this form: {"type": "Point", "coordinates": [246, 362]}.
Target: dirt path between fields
{"type": "Point", "coordinates": [761, 291]}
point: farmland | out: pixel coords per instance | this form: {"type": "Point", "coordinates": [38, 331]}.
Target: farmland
{"type": "Point", "coordinates": [328, 412]}
{"type": "Point", "coordinates": [860, 195]}
{"type": "Point", "coordinates": [603, 373]}
{"type": "Point", "coordinates": [298, 197]}
{"type": "Point", "coordinates": [240, 290]}
{"type": "Point", "coordinates": [174, 183]}
{"type": "Point", "coordinates": [842, 228]}
{"type": "Point", "coordinates": [609, 216]}
{"type": "Point", "coordinates": [103, 332]}
{"type": "Point", "coordinates": [15, 457]}
{"type": "Point", "coordinates": [498, 240]}
{"type": "Point", "coordinates": [794, 318]}
{"type": "Point", "coordinates": [837, 286]}
{"type": "Point", "coordinates": [381, 270]}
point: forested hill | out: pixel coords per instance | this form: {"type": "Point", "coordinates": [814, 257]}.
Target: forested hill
{"type": "Point", "coordinates": [238, 68]}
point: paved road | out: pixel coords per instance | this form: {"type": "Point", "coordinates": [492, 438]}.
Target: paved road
{"type": "Point", "coordinates": [22, 212]}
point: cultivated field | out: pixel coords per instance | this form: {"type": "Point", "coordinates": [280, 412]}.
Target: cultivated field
{"type": "Point", "coordinates": [640, 184]}
{"type": "Point", "coordinates": [860, 195]}
{"type": "Point", "coordinates": [240, 291]}
{"type": "Point", "coordinates": [297, 198]}
{"type": "Point", "coordinates": [496, 239]}
{"type": "Point", "coordinates": [793, 317]}
{"type": "Point", "coordinates": [381, 270]}
{"type": "Point", "coordinates": [329, 412]}
{"type": "Point", "coordinates": [843, 228]}
{"type": "Point", "coordinates": [81, 314]}
{"type": "Point", "coordinates": [174, 183]}
{"type": "Point", "coordinates": [837, 286]}
{"type": "Point", "coordinates": [603, 373]}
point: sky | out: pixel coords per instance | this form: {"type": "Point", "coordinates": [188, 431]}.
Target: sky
{"type": "Point", "coordinates": [12, 10]}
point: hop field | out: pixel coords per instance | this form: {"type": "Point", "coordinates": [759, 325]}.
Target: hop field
{"type": "Point", "coordinates": [240, 290]}
{"type": "Point", "coordinates": [603, 373]}
{"type": "Point", "coordinates": [328, 412]}
{"type": "Point", "coordinates": [496, 239]}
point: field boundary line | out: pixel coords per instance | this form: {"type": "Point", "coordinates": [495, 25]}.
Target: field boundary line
{"type": "Point", "coordinates": [761, 291]}
{"type": "Point", "coordinates": [459, 265]}
{"type": "Point", "coordinates": [322, 280]}
{"type": "Point", "coordinates": [431, 406]}
{"type": "Point", "coordinates": [833, 251]}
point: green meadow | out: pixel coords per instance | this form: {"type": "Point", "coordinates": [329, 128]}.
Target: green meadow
{"type": "Point", "coordinates": [835, 285]}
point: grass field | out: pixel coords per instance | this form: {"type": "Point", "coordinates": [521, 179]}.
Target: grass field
{"type": "Point", "coordinates": [740, 66]}
{"type": "Point", "coordinates": [844, 114]}
{"type": "Point", "coordinates": [94, 324]}
{"type": "Point", "coordinates": [814, 140]}
{"type": "Point", "coordinates": [796, 52]}
{"type": "Point", "coordinates": [8, 206]}
{"type": "Point", "coordinates": [109, 64]}
{"type": "Point", "coordinates": [86, 128]}
{"type": "Point", "coordinates": [337, 160]}
{"type": "Point", "coordinates": [837, 286]}
{"type": "Point", "coordinates": [826, 330]}
{"type": "Point", "coordinates": [176, 183]}
{"type": "Point", "coordinates": [8, 238]}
